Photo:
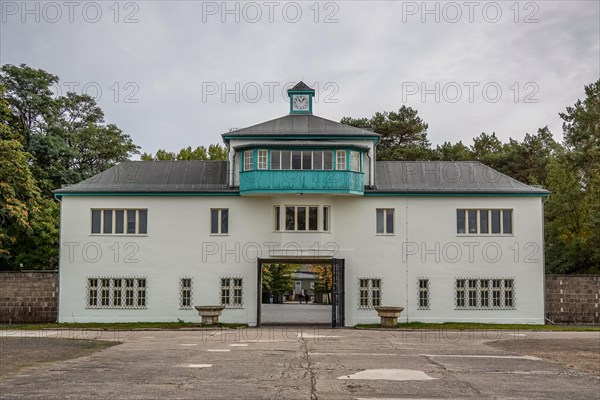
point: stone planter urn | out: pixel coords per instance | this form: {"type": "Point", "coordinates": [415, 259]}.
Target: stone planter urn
{"type": "Point", "coordinates": [210, 314]}
{"type": "Point", "coordinates": [389, 315]}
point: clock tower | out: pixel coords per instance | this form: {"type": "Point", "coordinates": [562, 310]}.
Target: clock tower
{"type": "Point", "coordinates": [301, 99]}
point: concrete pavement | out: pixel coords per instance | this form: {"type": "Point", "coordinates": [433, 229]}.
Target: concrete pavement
{"type": "Point", "coordinates": [296, 313]}
{"type": "Point", "coordinates": [305, 363]}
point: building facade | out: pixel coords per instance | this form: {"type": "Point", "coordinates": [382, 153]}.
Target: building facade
{"type": "Point", "coordinates": [448, 241]}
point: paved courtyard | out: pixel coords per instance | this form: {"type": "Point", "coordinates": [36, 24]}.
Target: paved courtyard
{"type": "Point", "coordinates": [304, 363]}
{"type": "Point", "coordinates": [296, 313]}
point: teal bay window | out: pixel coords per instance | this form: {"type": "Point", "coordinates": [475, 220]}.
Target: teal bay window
{"type": "Point", "coordinates": [299, 171]}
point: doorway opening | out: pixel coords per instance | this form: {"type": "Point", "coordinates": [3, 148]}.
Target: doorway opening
{"type": "Point", "coordinates": [304, 291]}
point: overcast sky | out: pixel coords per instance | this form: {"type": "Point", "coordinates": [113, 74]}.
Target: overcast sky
{"type": "Point", "coordinates": [181, 73]}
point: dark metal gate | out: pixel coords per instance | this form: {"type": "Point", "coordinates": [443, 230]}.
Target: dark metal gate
{"type": "Point", "coordinates": [337, 292]}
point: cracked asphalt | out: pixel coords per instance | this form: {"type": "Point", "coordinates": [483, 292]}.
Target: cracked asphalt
{"type": "Point", "coordinates": [308, 363]}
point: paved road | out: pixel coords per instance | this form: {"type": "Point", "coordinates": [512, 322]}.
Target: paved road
{"type": "Point", "coordinates": [305, 363]}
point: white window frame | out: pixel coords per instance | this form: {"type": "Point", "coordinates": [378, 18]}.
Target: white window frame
{"type": "Point", "coordinates": [185, 293]}
{"type": "Point", "coordinates": [354, 161]}
{"type": "Point", "coordinates": [423, 293]}
{"type": "Point", "coordinates": [488, 213]}
{"type": "Point", "coordinates": [369, 294]}
{"type": "Point", "coordinates": [307, 208]}
{"type": "Point", "coordinates": [248, 160]}
{"type": "Point", "coordinates": [263, 159]}
{"type": "Point", "coordinates": [113, 221]}
{"type": "Point", "coordinates": [115, 292]}
{"type": "Point", "coordinates": [385, 212]}
{"type": "Point", "coordinates": [326, 218]}
{"type": "Point", "coordinates": [485, 294]}
{"type": "Point", "coordinates": [219, 231]}
{"type": "Point", "coordinates": [340, 160]}
{"type": "Point", "coordinates": [235, 292]}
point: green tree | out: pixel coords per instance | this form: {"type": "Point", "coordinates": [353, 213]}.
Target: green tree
{"type": "Point", "coordinates": [66, 136]}
{"type": "Point", "coordinates": [581, 129]}
{"type": "Point", "coordinates": [452, 152]}
{"type": "Point", "coordinates": [278, 279]}
{"type": "Point", "coordinates": [403, 134]}
{"type": "Point", "coordinates": [45, 142]}
{"type": "Point", "coordinates": [526, 161]}
{"type": "Point", "coordinates": [19, 197]}
{"type": "Point", "coordinates": [573, 209]}
{"type": "Point", "coordinates": [215, 152]}
{"type": "Point", "coordinates": [29, 97]}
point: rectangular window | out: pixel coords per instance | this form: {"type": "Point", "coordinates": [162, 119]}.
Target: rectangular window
{"type": "Point", "coordinates": [313, 218]}
{"type": "Point", "coordinates": [119, 222]}
{"type": "Point", "coordinates": [231, 292]}
{"type": "Point", "coordinates": [508, 293]}
{"type": "Point", "coordinates": [296, 160]}
{"type": "Point", "coordinates": [141, 293]}
{"type": "Point", "coordinates": [105, 299]}
{"type": "Point", "coordinates": [185, 293]}
{"type": "Point", "coordinates": [108, 227]}
{"type": "Point", "coordinates": [219, 221]}
{"type": "Point", "coordinates": [117, 292]}
{"type": "Point", "coordinates": [355, 161]}
{"type": "Point", "coordinates": [277, 219]}
{"type": "Point", "coordinates": [340, 160]}
{"type": "Point", "coordinates": [290, 218]}
{"type": "Point", "coordinates": [495, 221]}
{"type": "Point", "coordinates": [369, 292]}
{"type": "Point", "coordinates": [423, 294]}
{"type": "Point", "coordinates": [111, 293]}
{"type": "Point", "coordinates": [485, 294]}
{"type": "Point", "coordinates": [460, 293]}
{"type": "Point", "coordinates": [507, 221]}
{"type": "Point", "coordinates": [317, 159]}
{"type": "Point", "coordinates": [92, 292]}
{"type": "Point", "coordinates": [275, 159]}
{"type": "Point", "coordinates": [131, 221]}
{"type": "Point", "coordinates": [302, 218]}
{"type": "Point", "coordinates": [328, 160]}
{"type": "Point", "coordinates": [326, 218]}
{"type": "Point", "coordinates": [460, 221]}
{"type": "Point", "coordinates": [385, 221]}
{"type": "Point", "coordinates": [96, 221]}
{"type": "Point", "coordinates": [143, 221]}
{"type": "Point", "coordinates": [286, 160]}
{"type": "Point", "coordinates": [307, 160]}
{"type": "Point", "coordinates": [262, 159]}
{"type": "Point", "coordinates": [248, 160]}
{"type": "Point", "coordinates": [472, 293]}
{"type": "Point", "coordinates": [483, 222]}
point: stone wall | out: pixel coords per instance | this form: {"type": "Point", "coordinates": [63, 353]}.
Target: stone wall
{"type": "Point", "coordinates": [573, 299]}
{"type": "Point", "coordinates": [28, 296]}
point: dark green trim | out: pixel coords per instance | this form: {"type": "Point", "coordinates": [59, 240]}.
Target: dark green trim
{"type": "Point", "coordinates": [361, 137]}
{"type": "Point", "coordinates": [162, 194]}
{"type": "Point", "coordinates": [456, 194]}
{"type": "Point", "coordinates": [302, 191]}
{"type": "Point", "coordinates": [292, 147]}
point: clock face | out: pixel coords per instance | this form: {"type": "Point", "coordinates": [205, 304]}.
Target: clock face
{"type": "Point", "coordinates": [300, 102]}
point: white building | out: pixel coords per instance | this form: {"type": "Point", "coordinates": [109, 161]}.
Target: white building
{"type": "Point", "coordinates": [448, 241]}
